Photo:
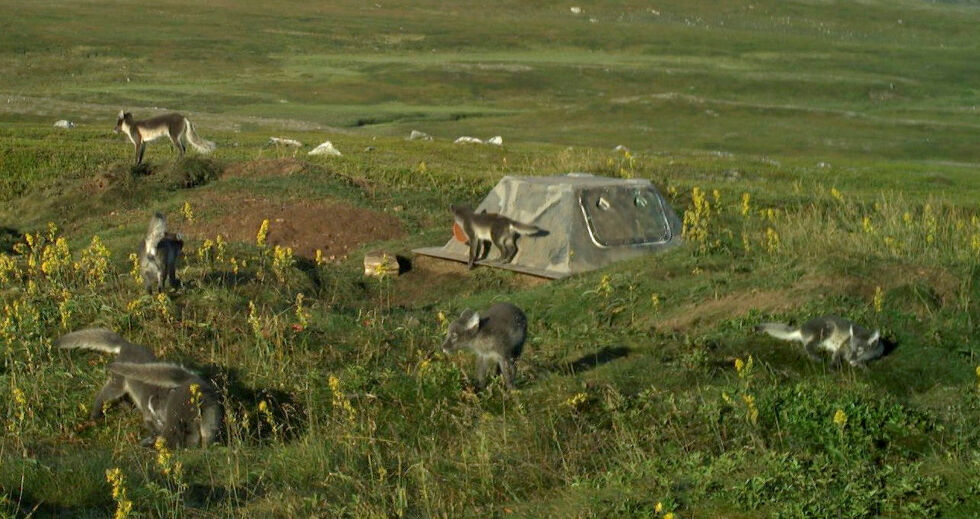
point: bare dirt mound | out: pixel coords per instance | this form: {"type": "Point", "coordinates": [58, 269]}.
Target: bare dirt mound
{"type": "Point", "coordinates": [728, 307]}
{"type": "Point", "coordinates": [332, 226]}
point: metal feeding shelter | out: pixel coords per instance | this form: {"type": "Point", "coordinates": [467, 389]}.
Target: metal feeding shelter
{"type": "Point", "coordinates": [588, 222]}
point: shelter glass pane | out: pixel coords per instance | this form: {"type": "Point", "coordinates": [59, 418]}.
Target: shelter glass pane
{"type": "Point", "coordinates": [622, 216]}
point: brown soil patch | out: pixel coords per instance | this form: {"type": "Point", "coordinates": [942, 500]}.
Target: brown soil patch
{"type": "Point", "coordinates": [414, 288]}
{"type": "Point", "coordinates": [730, 306]}
{"type": "Point", "coordinates": [811, 285]}
{"type": "Point", "coordinates": [332, 226]}
{"type": "Point", "coordinates": [264, 168]}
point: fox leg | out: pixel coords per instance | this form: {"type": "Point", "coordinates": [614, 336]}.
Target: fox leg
{"type": "Point", "coordinates": [810, 347]}
{"type": "Point", "coordinates": [482, 367]}
{"type": "Point", "coordinates": [511, 249]}
{"type": "Point", "coordinates": [474, 243]}
{"type": "Point", "coordinates": [136, 151]}
{"type": "Point", "coordinates": [147, 283]}
{"type": "Point", "coordinates": [140, 149]}
{"type": "Point", "coordinates": [178, 143]}
{"type": "Point", "coordinates": [485, 247]}
{"type": "Point", "coordinates": [161, 277]}
{"type": "Point", "coordinates": [508, 370]}
{"type": "Point", "coordinates": [838, 358]}
{"type": "Point", "coordinates": [172, 274]}
{"type": "Point", "coordinates": [501, 243]}
{"type": "Point", "coordinates": [113, 390]}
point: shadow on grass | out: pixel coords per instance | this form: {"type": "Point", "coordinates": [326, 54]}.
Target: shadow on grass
{"type": "Point", "coordinates": [889, 346]}
{"type": "Point", "coordinates": [227, 279]}
{"type": "Point", "coordinates": [288, 418]}
{"type": "Point", "coordinates": [20, 503]}
{"type": "Point", "coordinates": [8, 237]}
{"type": "Point", "coordinates": [594, 360]}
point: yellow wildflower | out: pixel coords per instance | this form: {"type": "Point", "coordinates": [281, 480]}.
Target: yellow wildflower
{"type": "Point", "coordinates": [836, 195]}
{"type": "Point", "coordinates": [263, 233]}
{"type": "Point", "coordinates": [840, 418]}
{"type": "Point", "coordinates": [576, 401]}
{"type": "Point", "coordinates": [123, 505]}
{"type": "Point", "coordinates": [187, 212]}
{"type": "Point", "coordinates": [878, 300]}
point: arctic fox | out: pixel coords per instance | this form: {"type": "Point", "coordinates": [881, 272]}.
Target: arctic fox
{"type": "Point", "coordinates": [175, 403]}
{"type": "Point", "coordinates": [158, 255]}
{"type": "Point", "coordinates": [844, 339]}
{"type": "Point", "coordinates": [173, 125]}
{"type": "Point", "coordinates": [483, 228]}
{"type": "Point", "coordinates": [496, 336]}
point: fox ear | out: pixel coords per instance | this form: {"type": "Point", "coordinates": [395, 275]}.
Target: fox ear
{"type": "Point", "coordinates": [875, 337]}
{"type": "Point", "coordinates": [122, 114]}
{"type": "Point", "coordinates": [474, 321]}
{"type": "Point", "coordinates": [852, 330]}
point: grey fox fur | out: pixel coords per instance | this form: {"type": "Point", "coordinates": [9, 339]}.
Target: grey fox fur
{"type": "Point", "coordinates": [173, 125]}
{"type": "Point", "coordinates": [483, 228]}
{"type": "Point", "coordinates": [182, 418]}
{"type": "Point", "coordinates": [158, 255]}
{"type": "Point", "coordinates": [159, 390]}
{"type": "Point", "coordinates": [496, 336]}
{"type": "Point", "coordinates": [845, 340]}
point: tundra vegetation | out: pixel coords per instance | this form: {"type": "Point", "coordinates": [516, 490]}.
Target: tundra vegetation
{"type": "Point", "coordinates": [823, 155]}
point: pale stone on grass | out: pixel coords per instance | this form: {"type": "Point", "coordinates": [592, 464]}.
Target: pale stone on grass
{"type": "Point", "coordinates": [380, 264]}
{"type": "Point", "coordinates": [326, 148]}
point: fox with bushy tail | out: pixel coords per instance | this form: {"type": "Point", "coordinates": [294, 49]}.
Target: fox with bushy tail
{"type": "Point", "coordinates": [482, 229]}
{"type": "Point", "coordinates": [845, 340]}
{"type": "Point", "coordinates": [173, 125]}
{"type": "Point", "coordinates": [176, 404]}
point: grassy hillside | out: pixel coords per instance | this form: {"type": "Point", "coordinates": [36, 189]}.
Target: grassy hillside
{"type": "Point", "coordinates": [823, 153]}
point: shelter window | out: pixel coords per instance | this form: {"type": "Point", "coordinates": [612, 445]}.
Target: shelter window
{"type": "Point", "coordinates": [618, 216]}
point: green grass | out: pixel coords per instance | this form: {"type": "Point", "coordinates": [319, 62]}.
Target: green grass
{"type": "Point", "coordinates": [852, 134]}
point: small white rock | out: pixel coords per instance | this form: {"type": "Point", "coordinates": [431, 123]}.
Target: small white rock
{"type": "Point", "coordinates": [326, 148]}
{"type": "Point", "coordinates": [467, 140]}
{"type": "Point", "coordinates": [419, 136]}
{"type": "Point", "coordinates": [496, 140]}
{"type": "Point", "coordinates": [575, 10]}
{"type": "Point", "coordinates": [621, 148]}
{"type": "Point", "coordinates": [64, 123]}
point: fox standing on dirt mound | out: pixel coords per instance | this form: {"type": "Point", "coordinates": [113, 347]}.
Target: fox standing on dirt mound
{"type": "Point", "coordinates": [496, 336]}
{"type": "Point", "coordinates": [844, 339]}
{"type": "Point", "coordinates": [483, 228]}
{"type": "Point", "coordinates": [158, 255]}
{"type": "Point", "coordinates": [173, 125]}
{"type": "Point", "coordinates": [175, 403]}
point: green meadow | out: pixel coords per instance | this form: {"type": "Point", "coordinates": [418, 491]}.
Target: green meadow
{"type": "Point", "coordinates": [823, 155]}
